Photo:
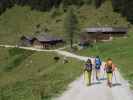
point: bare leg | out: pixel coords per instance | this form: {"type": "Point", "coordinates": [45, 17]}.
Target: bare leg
{"type": "Point", "coordinates": [109, 80]}
{"type": "Point", "coordinates": [97, 74]}
{"type": "Point", "coordinates": [89, 76]}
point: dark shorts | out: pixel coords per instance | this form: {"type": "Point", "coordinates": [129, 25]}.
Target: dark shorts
{"type": "Point", "coordinates": [87, 70]}
{"type": "Point", "coordinates": [97, 67]}
{"type": "Point", "coordinates": [109, 72]}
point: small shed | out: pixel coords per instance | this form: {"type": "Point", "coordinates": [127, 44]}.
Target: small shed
{"type": "Point", "coordinates": [103, 33]}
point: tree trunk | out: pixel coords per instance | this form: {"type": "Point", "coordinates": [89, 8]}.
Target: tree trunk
{"type": "Point", "coordinates": [71, 43]}
{"type": "Point", "coordinates": [71, 40]}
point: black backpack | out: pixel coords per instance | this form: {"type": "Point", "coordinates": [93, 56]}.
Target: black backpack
{"type": "Point", "coordinates": [88, 67]}
{"type": "Point", "coordinates": [109, 69]}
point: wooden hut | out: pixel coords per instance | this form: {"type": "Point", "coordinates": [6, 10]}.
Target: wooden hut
{"type": "Point", "coordinates": [103, 33]}
{"type": "Point", "coordinates": [42, 41]}
{"type": "Point", "coordinates": [46, 41]}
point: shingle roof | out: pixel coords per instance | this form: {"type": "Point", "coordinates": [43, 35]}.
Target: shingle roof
{"type": "Point", "coordinates": [43, 38]}
{"type": "Point", "coordinates": [27, 37]}
{"type": "Point", "coordinates": [47, 38]}
{"type": "Point", "coordinates": [106, 29]}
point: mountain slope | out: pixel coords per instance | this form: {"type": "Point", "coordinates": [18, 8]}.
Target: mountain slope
{"type": "Point", "coordinates": [19, 21]}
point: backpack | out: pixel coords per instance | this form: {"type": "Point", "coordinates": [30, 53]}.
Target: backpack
{"type": "Point", "coordinates": [109, 67]}
{"type": "Point", "coordinates": [98, 63]}
{"type": "Point", "coordinates": [88, 67]}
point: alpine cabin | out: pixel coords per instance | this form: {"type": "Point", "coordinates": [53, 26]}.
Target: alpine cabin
{"type": "Point", "coordinates": [95, 34]}
{"type": "Point", "coordinates": [41, 41]}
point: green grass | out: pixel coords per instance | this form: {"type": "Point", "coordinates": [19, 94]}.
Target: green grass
{"type": "Point", "coordinates": [38, 77]}
{"type": "Point", "coordinates": [16, 56]}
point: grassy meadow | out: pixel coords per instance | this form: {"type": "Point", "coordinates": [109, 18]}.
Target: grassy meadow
{"type": "Point", "coordinates": [34, 75]}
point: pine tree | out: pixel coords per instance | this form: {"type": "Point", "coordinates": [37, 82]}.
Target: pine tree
{"type": "Point", "coordinates": [98, 3]}
{"type": "Point", "coordinates": [71, 25]}
{"type": "Point", "coordinates": [125, 7]}
{"type": "Point", "coordinates": [118, 5]}
{"type": "Point", "coordinates": [87, 2]}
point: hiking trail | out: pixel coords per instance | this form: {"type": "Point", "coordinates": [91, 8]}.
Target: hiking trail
{"type": "Point", "coordinates": [77, 90]}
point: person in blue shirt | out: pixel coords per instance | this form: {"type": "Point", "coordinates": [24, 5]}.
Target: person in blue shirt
{"type": "Point", "coordinates": [97, 66]}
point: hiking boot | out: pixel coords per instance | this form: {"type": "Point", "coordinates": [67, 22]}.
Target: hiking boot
{"type": "Point", "coordinates": [109, 84]}
{"type": "Point", "coordinates": [97, 78]}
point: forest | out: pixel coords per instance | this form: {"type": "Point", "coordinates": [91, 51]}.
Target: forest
{"type": "Point", "coordinates": [125, 7]}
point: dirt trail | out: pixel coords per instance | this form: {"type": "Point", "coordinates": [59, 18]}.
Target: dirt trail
{"type": "Point", "coordinates": [77, 90]}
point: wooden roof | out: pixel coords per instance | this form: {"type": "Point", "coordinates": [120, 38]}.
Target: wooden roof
{"type": "Point", "coordinates": [43, 38]}
{"type": "Point", "coordinates": [105, 29]}
{"type": "Point", "coordinates": [46, 38]}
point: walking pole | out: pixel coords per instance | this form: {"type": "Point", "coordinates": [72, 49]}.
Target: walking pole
{"type": "Point", "coordinates": [115, 76]}
{"type": "Point", "coordinates": [104, 72]}
{"type": "Point", "coordinates": [93, 74]}
{"type": "Point", "coordinates": [93, 71]}
{"type": "Point", "coordinates": [84, 77]}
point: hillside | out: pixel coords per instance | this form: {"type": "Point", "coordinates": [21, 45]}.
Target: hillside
{"type": "Point", "coordinates": [36, 77]}
{"type": "Point", "coordinates": [19, 21]}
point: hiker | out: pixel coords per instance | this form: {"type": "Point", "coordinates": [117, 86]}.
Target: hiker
{"type": "Point", "coordinates": [109, 68]}
{"type": "Point", "coordinates": [87, 72]}
{"type": "Point", "coordinates": [97, 66]}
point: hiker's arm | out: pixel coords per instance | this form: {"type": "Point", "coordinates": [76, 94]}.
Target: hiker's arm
{"type": "Point", "coordinates": [105, 65]}
{"type": "Point", "coordinates": [100, 62]}
{"type": "Point", "coordinates": [83, 68]}
{"type": "Point", "coordinates": [114, 67]}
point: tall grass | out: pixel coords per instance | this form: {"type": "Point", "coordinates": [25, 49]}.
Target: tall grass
{"type": "Point", "coordinates": [15, 58]}
{"type": "Point", "coordinates": [37, 77]}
